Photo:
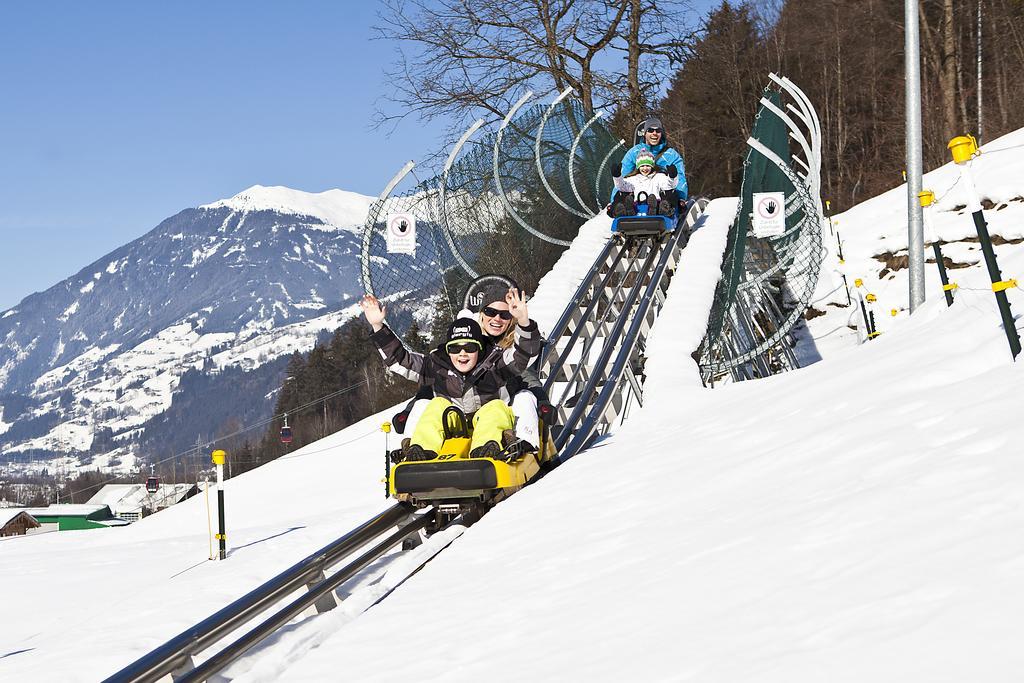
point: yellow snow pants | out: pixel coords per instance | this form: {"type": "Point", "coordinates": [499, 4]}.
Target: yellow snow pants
{"type": "Point", "coordinates": [488, 424]}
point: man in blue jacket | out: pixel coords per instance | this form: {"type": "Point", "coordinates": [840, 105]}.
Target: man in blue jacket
{"type": "Point", "coordinates": [656, 142]}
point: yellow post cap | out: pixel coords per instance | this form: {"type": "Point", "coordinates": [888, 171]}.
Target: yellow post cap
{"type": "Point", "coordinates": [964, 148]}
{"type": "Point", "coordinates": [219, 457]}
{"type": "Point", "coordinates": [386, 428]}
{"type": "Point", "coordinates": [927, 197]}
{"type": "Point", "coordinates": [858, 283]}
{"type": "Point", "coordinates": [894, 312]}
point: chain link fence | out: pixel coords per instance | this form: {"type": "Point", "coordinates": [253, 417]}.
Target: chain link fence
{"type": "Point", "coordinates": [767, 282]}
{"type": "Point", "coordinates": [508, 201]}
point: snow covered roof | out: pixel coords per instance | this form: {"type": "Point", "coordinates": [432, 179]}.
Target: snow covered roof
{"type": "Point", "coordinates": [66, 510]}
{"type": "Point", "coordinates": [112, 494]}
{"type": "Point", "coordinates": [8, 514]}
{"type": "Point", "coordinates": [127, 496]}
{"type": "Point", "coordinates": [337, 208]}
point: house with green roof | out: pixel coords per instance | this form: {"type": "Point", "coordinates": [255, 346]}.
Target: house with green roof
{"type": "Point", "coordinates": [69, 517]}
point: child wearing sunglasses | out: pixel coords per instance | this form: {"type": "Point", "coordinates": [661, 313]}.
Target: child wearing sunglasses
{"type": "Point", "coordinates": [462, 371]}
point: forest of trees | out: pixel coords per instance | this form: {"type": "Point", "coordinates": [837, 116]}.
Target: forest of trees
{"type": "Point", "coordinates": [704, 73]}
{"type": "Point", "coordinates": [848, 58]}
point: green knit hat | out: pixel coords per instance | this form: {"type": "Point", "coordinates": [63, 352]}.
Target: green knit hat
{"type": "Point", "coordinates": [644, 158]}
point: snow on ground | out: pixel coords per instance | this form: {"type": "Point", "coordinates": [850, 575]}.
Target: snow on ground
{"type": "Point", "coordinates": [855, 520]}
{"type": "Point", "coordinates": [876, 230]}
{"type": "Point", "coordinates": [336, 208]}
{"type": "Point", "coordinates": [89, 602]}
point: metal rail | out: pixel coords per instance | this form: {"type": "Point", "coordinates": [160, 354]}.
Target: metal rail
{"type": "Point", "coordinates": [613, 378]}
{"type": "Point", "coordinates": [609, 319]}
{"type": "Point", "coordinates": [584, 287]}
{"type": "Point", "coordinates": [323, 589]}
{"type": "Point", "coordinates": [175, 657]}
{"type": "Point", "coordinates": [597, 373]}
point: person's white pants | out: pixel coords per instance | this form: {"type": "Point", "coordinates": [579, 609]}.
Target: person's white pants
{"type": "Point", "coordinates": [524, 407]}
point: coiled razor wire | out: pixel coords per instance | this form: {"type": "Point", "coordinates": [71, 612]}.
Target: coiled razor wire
{"type": "Point", "coordinates": [508, 201]}
{"type": "Point", "coordinates": [767, 283]}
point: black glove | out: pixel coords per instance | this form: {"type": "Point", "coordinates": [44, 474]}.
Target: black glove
{"type": "Point", "coordinates": [672, 171]}
{"type": "Point", "coordinates": [616, 170]}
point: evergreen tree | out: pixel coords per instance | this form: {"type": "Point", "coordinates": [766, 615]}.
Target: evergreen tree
{"type": "Point", "coordinates": [710, 105]}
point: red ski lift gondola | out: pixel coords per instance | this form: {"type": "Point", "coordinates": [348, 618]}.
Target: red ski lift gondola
{"type": "Point", "coordinates": [286, 432]}
{"type": "Point", "coordinates": [152, 484]}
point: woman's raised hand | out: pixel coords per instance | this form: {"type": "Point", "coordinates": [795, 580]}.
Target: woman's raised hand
{"type": "Point", "coordinates": [374, 311]}
{"type": "Point", "coordinates": [517, 306]}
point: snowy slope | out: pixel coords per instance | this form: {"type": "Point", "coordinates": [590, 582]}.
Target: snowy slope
{"type": "Point", "coordinates": [874, 237]}
{"type": "Point", "coordinates": [855, 520]}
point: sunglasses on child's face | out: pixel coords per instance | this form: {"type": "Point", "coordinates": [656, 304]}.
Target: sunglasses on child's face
{"type": "Point", "coordinates": [654, 130]}
{"type": "Point", "coordinates": [495, 313]}
{"type": "Point", "coordinates": [471, 347]}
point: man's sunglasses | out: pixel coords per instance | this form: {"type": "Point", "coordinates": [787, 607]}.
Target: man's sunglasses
{"type": "Point", "coordinates": [654, 130]}
{"type": "Point", "coordinates": [495, 313]}
{"type": "Point", "coordinates": [468, 347]}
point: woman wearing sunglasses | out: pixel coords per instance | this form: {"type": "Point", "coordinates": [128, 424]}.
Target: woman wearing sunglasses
{"type": "Point", "coordinates": [462, 371]}
{"type": "Point", "coordinates": [498, 295]}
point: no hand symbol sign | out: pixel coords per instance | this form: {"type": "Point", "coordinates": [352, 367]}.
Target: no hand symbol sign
{"type": "Point", "coordinates": [769, 217]}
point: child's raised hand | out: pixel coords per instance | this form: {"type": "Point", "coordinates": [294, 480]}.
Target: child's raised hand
{"type": "Point", "coordinates": [517, 306]}
{"type": "Point", "coordinates": [374, 311]}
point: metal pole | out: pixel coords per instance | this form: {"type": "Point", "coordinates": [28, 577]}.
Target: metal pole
{"type": "Point", "coordinates": [998, 286]}
{"type": "Point", "coordinates": [943, 275]}
{"type": "Point", "coordinates": [219, 457]}
{"type": "Point", "coordinates": [927, 198]}
{"type": "Point", "coordinates": [915, 219]}
{"type": "Point", "coordinates": [980, 118]}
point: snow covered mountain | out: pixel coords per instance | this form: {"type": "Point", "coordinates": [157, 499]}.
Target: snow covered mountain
{"type": "Point", "coordinates": [233, 284]}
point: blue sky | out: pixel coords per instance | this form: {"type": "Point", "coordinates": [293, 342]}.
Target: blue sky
{"type": "Point", "coordinates": [116, 115]}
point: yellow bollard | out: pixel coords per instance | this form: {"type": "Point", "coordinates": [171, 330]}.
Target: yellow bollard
{"type": "Point", "coordinates": [219, 457]}
{"type": "Point", "coordinates": [964, 148]}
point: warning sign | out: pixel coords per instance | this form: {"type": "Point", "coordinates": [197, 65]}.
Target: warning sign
{"type": "Point", "coordinates": [401, 233]}
{"type": "Point", "coordinates": [769, 218]}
